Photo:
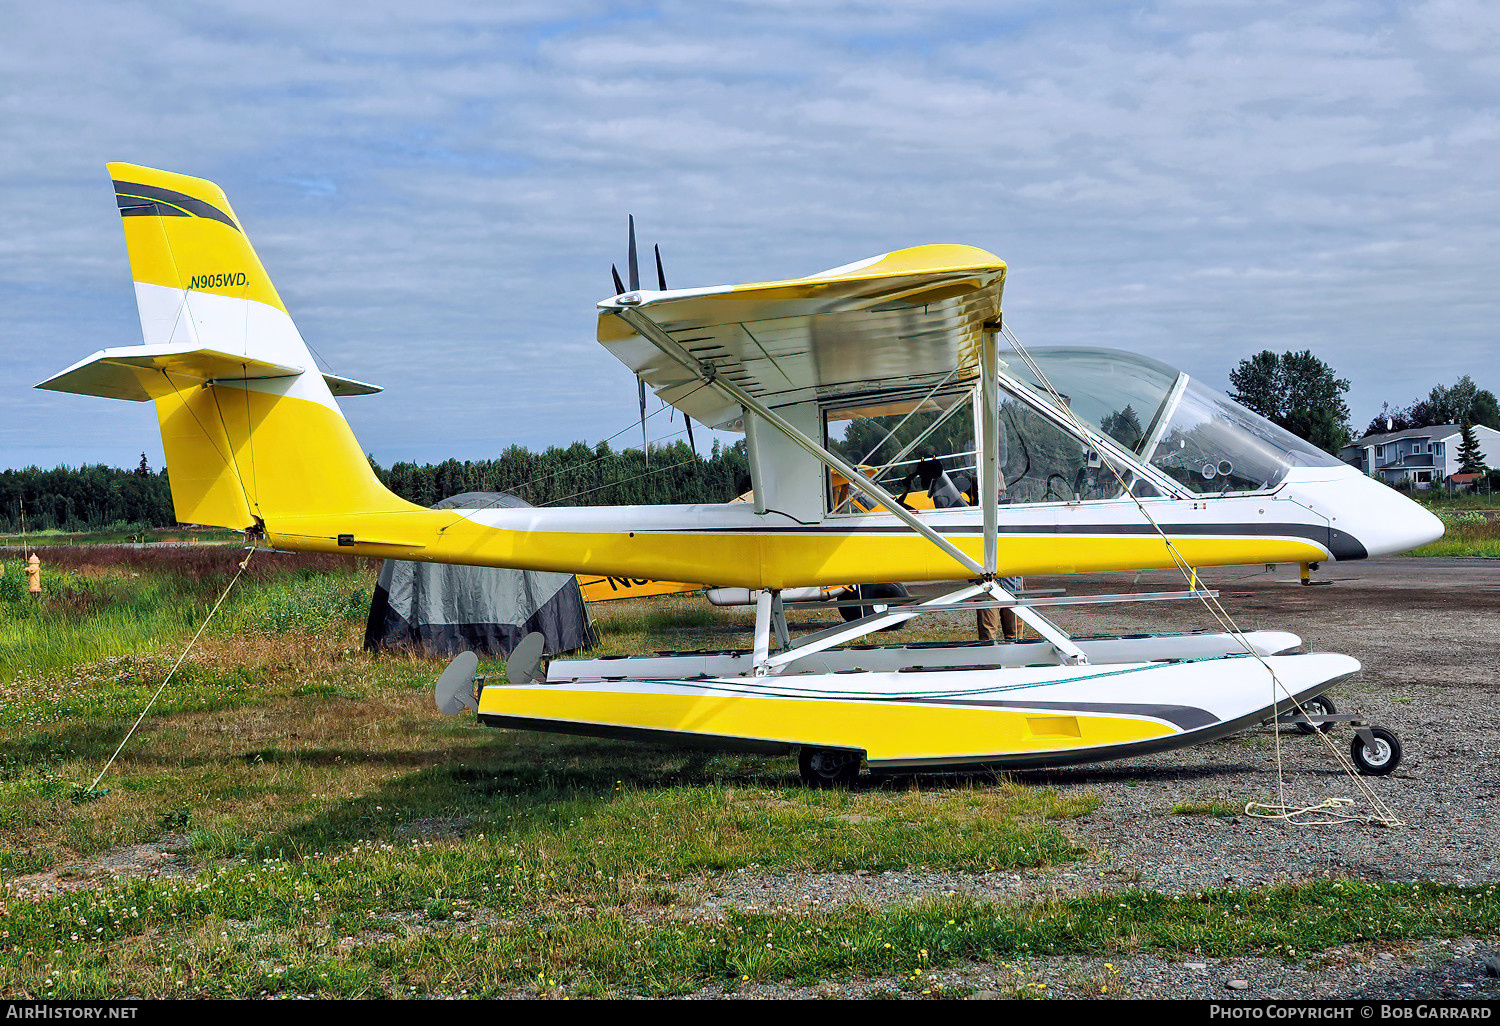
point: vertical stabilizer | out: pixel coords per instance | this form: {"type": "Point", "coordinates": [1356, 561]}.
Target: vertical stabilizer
{"type": "Point", "coordinates": [257, 435]}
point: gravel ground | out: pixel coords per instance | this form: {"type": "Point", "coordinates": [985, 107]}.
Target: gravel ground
{"type": "Point", "coordinates": [1429, 641]}
{"type": "Point", "coordinates": [159, 858]}
{"type": "Point", "coordinates": [1427, 632]}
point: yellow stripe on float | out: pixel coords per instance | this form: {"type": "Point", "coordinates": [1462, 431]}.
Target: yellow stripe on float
{"type": "Point", "coordinates": [886, 731]}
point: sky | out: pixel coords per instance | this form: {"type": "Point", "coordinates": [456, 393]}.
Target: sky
{"type": "Point", "coordinates": [438, 189]}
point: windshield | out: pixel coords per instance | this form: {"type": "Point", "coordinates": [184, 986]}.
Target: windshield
{"type": "Point", "coordinates": [1213, 444]}
{"type": "Point", "coordinates": [1198, 436]}
{"type": "Point", "coordinates": [1116, 393]}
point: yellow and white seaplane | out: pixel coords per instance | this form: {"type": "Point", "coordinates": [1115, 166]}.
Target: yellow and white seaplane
{"type": "Point", "coordinates": [1104, 460]}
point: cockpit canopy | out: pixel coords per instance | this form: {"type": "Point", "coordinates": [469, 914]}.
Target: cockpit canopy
{"type": "Point", "coordinates": [1201, 438]}
{"type": "Point", "coordinates": [1197, 437]}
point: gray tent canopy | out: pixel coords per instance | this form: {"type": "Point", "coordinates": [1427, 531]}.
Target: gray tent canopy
{"type": "Point", "coordinates": [442, 609]}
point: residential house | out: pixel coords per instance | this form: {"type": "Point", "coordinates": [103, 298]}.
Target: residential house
{"type": "Point", "coordinates": [1418, 456]}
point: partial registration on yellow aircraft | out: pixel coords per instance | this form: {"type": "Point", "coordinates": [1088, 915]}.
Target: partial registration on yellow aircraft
{"type": "Point", "coordinates": [606, 589]}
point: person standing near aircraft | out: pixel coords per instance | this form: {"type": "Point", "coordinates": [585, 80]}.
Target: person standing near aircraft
{"type": "Point", "coordinates": [995, 623]}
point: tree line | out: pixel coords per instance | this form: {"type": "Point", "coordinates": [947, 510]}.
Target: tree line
{"type": "Point", "coordinates": [581, 475]}
{"type": "Point", "coordinates": [96, 497]}
{"type": "Point", "coordinates": [84, 498]}
{"type": "Point", "coordinates": [1444, 405]}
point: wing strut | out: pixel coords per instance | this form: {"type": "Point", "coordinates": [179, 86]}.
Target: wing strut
{"type": "Point", "coordinates": [987, 395]}
{"type": "Point", "coordinates": [640, 388]}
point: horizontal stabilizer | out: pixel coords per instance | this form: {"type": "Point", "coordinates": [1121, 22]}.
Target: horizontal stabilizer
{"type": "Point", "coordinates": [140, 373]}
{"type": "Point", "coordinates": [348, 386]}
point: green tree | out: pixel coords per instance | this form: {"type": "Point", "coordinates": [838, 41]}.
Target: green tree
{"type": "Point", "coordinates": [1297, 391]}
{"type": "Point", "coordinates": [83, 498]}
{"type": "Point", "coordinates": [1486, 410]}
{"type": "Point", "coordinates": [1470, 456]}
{"type": "Point", "coordinates": [1387, 420]}
{"type": "Point", "coordinates": [1257, 384]}
{"type": "Point", "coordinates": [1453, 404]}
{"type": "Point", "coordinates": [1124, 427]}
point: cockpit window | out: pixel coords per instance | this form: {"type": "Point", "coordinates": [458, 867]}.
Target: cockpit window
{"type": "Point", "coordinates": [1042, 463]}
{"type": "Point", "coordinates": [1189, 432]}
{"type": "Point", "coordinates": [1212, 444]}
{"type": "Point", "coordinates": [1201, 438]}
{"type": "Point", "coordinates": [1116, 393]}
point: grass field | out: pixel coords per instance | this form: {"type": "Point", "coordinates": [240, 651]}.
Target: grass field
{"type": "Point", "coordinates": [293, 818]}
{"type": "Point", "coordinates": [1441, 500]}
{"type": "Point", "coordinates": [121, 534]}
{"type": "Point", "coordinates": [1467, 532]}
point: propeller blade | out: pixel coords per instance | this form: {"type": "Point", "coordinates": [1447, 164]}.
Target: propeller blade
{"type": "Point", "coordinates": [525, 663]}
{"type": "Point", "coordinates": [635, 267]}
{"type": "Point", "coordinates": [661, 276]}
{"type": "Point", "coordinates": [689, 422]}
{"type": "Point", "coordinates": [454, 690]}
{"type": "Point", "coordinates": [619, 285]}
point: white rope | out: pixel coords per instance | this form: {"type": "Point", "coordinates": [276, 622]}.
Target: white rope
{"type": "Point", "coordinates": [1280, 810]}
{"type": "Point", "coordinates": [246, 562]}
{"type": "Point", "coordinates": [599, 459]}
{"type": "Point", "coordinates": [1330, 808]}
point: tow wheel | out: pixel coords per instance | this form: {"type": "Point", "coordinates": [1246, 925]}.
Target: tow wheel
{"type": "Point", "coordinates": [829, 767]}
{"type": "Point", "coordinates": [1379, 755]}
{"type": "Point", "coordinates": [1320, 706]}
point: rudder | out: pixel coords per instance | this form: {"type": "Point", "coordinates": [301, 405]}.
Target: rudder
{"type": "Point", "coordinates": [250, 427]}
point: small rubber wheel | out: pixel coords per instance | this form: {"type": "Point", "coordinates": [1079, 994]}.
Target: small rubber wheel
{"type": "Point", "coordinates": [825, 768]}
{"type": "Point", "coordinates": [1320, 706]}
{"type": "Point", "coordinates": [872, 592]}
{"type": "Point", "coordinates": [1379, 759]}
{"type": "Point", "coordinates": [850, 613]}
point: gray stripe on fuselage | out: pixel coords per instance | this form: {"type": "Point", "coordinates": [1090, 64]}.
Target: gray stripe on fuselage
{"type": "Point", "coordinates": [1187, 717]}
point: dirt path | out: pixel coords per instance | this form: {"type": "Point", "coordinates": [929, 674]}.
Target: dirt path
{"type": "Point", "coordinates": [156, 859]}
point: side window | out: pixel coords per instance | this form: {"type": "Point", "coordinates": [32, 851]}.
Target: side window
{"type": "Point", "coordinates": [1046, 464]}
{"type": "Point", "coordinates": [924, 457]}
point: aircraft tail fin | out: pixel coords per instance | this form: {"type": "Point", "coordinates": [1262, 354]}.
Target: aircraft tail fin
{"type": "Point", "coordinates": [250, 426]}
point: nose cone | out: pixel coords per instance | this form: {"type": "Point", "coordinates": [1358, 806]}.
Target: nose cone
{"type": "Point", "coordinates": [1366, 514]}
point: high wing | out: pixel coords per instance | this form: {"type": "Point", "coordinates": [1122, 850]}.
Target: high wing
{"type": "Point", "coordinates": [891, 326]}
